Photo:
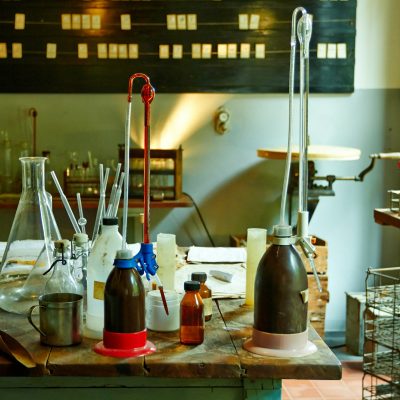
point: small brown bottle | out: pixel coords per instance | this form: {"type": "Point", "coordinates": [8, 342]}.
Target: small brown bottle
{"type": "Point", "coordinates": [205, 293]}
{"type": "Point", "coordinates": [192, 315]}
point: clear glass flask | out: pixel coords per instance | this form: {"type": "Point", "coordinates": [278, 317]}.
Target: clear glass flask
{"type": "Point", "coordinates": [28, 253]}
{"type": "Point", "coordinates": [61, 280]}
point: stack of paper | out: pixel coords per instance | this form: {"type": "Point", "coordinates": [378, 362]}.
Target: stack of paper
{"type": "Point", "coordinates": [225, 259]}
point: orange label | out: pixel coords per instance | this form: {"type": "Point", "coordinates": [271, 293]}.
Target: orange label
{"type": "Point", "coordinates": [98, 290]}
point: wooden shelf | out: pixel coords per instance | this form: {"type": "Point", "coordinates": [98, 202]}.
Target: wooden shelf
{"type": "Point", "coordinates": [384, 216]}
{"type": "Point", "coordinates": [11, 201]}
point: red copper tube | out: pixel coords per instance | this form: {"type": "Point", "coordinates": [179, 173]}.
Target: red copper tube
{"type": "Point", "coordinates": [147, 94]}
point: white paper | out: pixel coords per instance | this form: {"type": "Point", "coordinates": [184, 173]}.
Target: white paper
{"type": "Point", "coordinates": [177, 51]}
{"type": "Point", "coordinates": [102, 51]}
{"type": "Point", "coordinates": [171, 22]}
{"type": "Point", "coordinates": [19, 23]}
{"type": "Point", "coordinates": [3, 50]}
{"type": "Point", "coordinates": [243, 21]}
{"type": "Point", "coordinates": [122, 51]}
{"type": "Point", "coordinates": [216, 254]}
{"type": "Point", "coordinates": [126, 22]}
{"type": "Point", "coordinates": [133, 50]}
{"type": "Point", "coordinates": [82, 50]}
{"type": "Point", "coordinates": [222, 50]}
{"type": "Point", "coordinates": [321, 50]}
{"type": "Point", "coordinates": [245, 50]}
{"type": "Point", "coordinates": [219, 289]}
{"type": "Point", "coordinates": [17, 50]}
{"type": "Point", "coordinates": [86, 21]}
{"type": "Point", "coordinates": [192, 22]}
{"type": "Point", "coordinates": [164, 51]}
{"type": "Point", "coordinates": [51, 50]}
{"type": "Point", "coordinates": [66, 21]}
{"type": "Point", "coordinates": [76, 21]}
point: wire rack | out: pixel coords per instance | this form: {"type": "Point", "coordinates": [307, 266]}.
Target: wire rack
{"type": "Point", "coordinates": [382, 335]}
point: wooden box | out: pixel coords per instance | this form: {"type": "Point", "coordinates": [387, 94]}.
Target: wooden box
{"type": "Point", "coordinates": [355, 307]}
{"type": "Point", "coordinates": [165, 173]}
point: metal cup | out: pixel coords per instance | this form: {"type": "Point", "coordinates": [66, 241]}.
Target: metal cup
{"type": "Point", "coordinates": [60, 317]}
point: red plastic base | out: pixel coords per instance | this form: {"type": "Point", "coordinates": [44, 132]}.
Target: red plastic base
{"type": "Point", "coordinates": [124, 345]}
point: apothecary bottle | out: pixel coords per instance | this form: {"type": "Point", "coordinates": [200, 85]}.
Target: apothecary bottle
{"type": "Point", "coordinates": [205, 293]}
{"type": "Point", "coordinates": [192, 315]}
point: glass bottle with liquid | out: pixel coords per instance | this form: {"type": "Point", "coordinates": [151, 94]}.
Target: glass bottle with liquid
{"type": "Point", "coordinates": [205, 293]}
{"type": "Point", "coordinates": [192, 315]}
{"type": "Point", "coordinates": [80, 243]}
{"type": "Point", "coordinates": [61, 280]}
{"type": "Point", "coordinates": [124, 297]}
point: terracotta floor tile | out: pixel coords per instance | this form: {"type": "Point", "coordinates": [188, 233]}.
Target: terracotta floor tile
{"type": "Point", "coordinates": [285, 394]}
{"type": "Point", "coordinates": [348, 388]}
{"type": "Point", "coordinates": [333, 390]}
{"type": "Point", "coordinates": [355, 385]}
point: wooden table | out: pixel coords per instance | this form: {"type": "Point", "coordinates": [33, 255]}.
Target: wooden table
{"type": "Point", "coordinates": [217, 369]}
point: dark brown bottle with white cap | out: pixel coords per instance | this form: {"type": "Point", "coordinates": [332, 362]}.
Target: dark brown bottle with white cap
{"type": "Point", "coordinates": [205, 293]}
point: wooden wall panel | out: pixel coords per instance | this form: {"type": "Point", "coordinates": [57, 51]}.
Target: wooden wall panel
{"type": "Point", "coordinates": [217, 23]}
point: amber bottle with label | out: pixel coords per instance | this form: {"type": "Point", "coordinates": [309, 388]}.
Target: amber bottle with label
{"type": "Point", "coordinates": [192, 314]}
{"type": "Point", "coordinates": [205, 293]}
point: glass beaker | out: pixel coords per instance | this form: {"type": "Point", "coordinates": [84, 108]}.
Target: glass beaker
{"type": "Point", "coordinates": [28, 252]}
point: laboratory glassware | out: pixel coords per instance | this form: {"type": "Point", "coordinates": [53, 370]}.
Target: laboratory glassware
{"type": "Point", "coordinates": [61, 280]}
{"type": "Point", "coordinates": [28, 253]}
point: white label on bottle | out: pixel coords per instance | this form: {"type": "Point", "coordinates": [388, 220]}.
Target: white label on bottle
{"type": "Point", "coordinates": [207, 306]}
{"type": "Point", "coordinates": [98, 290]}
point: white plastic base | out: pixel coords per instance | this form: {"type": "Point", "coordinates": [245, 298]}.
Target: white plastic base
{"type": "Point", "coordinates": [280, 345]}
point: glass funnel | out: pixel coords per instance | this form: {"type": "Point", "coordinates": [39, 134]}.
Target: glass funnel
{"type": "Point", "coordinates": [28, 252]}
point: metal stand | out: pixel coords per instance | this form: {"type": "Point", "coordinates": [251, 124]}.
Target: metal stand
{"type": "Point", "coordinates": [382, 335]}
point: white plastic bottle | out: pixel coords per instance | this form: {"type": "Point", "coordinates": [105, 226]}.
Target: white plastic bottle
{"type": "Point", "coordinates": [100, 264]}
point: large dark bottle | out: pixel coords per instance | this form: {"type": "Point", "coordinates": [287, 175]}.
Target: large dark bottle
{"type": "Point", "coordinates": [281, 288]}
{"type": "Point", "coordinates": [124, 299]}
{"type": "Point", "coordinates": [124, 332]}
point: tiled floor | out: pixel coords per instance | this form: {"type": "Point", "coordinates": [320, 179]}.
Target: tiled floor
{"type": "Point", "coordinates": [348, 388]}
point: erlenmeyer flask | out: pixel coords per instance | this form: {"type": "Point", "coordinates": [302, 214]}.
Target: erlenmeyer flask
{"type": "Point", "coordinates": [28, 253]}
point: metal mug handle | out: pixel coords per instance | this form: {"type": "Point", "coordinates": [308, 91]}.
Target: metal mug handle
{"type": "Point", "coordinates": [30, 318]}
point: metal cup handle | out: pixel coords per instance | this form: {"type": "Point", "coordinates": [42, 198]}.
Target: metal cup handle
{"type": "Point", "coordinates": [30, 318]}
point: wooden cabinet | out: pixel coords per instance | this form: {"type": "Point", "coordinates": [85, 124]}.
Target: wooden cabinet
{"type": "Point", "coordinates": [165, 173]}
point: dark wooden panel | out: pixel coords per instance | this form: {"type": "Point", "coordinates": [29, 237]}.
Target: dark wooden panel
{"type": "Point", "coordinates": [217, 23]}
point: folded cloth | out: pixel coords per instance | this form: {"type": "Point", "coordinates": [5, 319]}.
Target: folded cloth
{"type": "Point", "coordinates": [15, 350]}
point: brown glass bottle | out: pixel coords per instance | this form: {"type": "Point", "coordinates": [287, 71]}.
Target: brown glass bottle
{"type": "Point", "coordinates": [124, 298]}
{"type": "Point", "coordinates": [192, 315]}
{"type": "Point", "coordinates": [205, 293]}
{"type": "Point", "coordinates": [280, 292]}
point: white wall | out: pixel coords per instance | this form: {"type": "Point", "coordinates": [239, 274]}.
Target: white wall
{"type": "Point", "coordinates": [377, 44]}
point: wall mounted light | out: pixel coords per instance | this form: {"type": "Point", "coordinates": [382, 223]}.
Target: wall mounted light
{"type": "Point", "coordinates": [221, 121]}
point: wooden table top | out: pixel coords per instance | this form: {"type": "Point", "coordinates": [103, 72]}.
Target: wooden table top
{"type": "Point", "coordinates": [220, 356]}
